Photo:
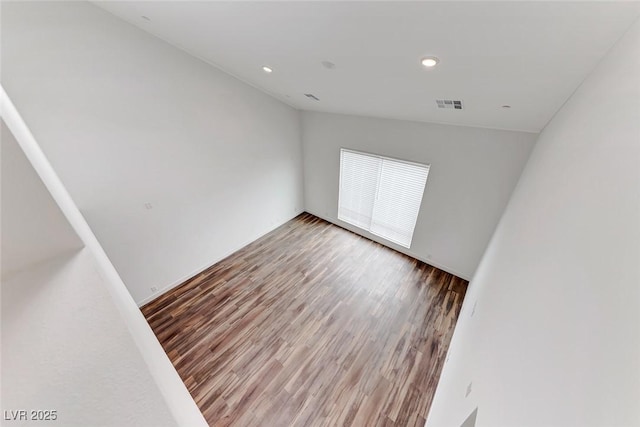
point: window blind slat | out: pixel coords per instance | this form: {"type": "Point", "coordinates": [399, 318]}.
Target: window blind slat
{"type": "Point", "coordinates": [396, 209]}
{"type": "Point", "coordinates": [358, 186]}
{"type": "Point", "coordinates": [381, 195]}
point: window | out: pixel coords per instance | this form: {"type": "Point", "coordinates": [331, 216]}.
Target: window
{"type": "Point", "coordinates": [381, 195]}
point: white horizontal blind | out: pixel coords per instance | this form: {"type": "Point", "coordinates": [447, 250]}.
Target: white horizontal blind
{"type": "Point", "coordinates": [400, 190]}
{"type": "Point", "coordinates": [358, 186]}
{"type": "Point", "coordinates": [381, 195]}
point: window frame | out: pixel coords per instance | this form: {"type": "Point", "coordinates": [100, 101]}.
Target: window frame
{"type": "Point", "coordinates": [426, 166]}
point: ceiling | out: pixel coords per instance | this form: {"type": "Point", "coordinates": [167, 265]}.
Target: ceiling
{"type": "Point", "coordinates": [528, 55]}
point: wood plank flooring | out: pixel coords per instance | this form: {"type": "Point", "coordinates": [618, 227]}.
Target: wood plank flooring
{"type": "Point", "coordinates": [311, 325]}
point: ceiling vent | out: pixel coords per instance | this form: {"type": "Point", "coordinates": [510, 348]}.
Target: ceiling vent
{"type": "Point", "coordinates": [311, 96]}
{"type": "Point", "coordinates": [448, 103]}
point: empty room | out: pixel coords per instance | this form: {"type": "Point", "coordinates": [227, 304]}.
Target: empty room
{"type": "Point", "coordinates": [320, 213]}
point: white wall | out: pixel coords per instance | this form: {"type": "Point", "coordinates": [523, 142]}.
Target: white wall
{"type": "Point", "coordinates": [473, 172]}
{"type": "Point", "coordinates": [65, 346]}
{"type": "Point", "coordinates": [127, 119]}
{"type": "Point", "coordinates": [555, 338]}
{"type": "Point", "coordinates": [169, 383]}
{"type": "Point", "coordinates": [27, 238]}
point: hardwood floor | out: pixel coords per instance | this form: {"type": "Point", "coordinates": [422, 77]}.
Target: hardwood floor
{"type": "Point", "coordinates": [311, 325]}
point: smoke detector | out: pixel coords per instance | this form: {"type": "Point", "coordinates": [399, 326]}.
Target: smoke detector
{"type": "Point", "coordinates": [328, 65]}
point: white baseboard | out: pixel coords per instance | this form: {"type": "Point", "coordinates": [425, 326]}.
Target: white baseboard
{"type": "Point", "coordinates": [197, 271]}
{"type": "Point", "coordinates": [397, 248]}
{"type": "Point", "coordinates": [186, 277]}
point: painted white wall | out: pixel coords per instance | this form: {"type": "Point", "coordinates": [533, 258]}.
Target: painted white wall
{"type": "Point", "coordinates": [65, 346]}
{"type": "Point", "coordinates": [127, 119]}
{"type": "Point", "coordinates": [555, 338]}
{"type": "Point", "coordinates": [169, 383]}
{"type": "Point", "coordinates": [473, 172]}
{"type": "Point", "coordinates": [26, 238]}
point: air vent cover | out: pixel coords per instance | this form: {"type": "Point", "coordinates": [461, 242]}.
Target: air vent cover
{"type": "Point", "coordinates": [311, 96]}
{"type": "Point", "coordinates": [448, 103]}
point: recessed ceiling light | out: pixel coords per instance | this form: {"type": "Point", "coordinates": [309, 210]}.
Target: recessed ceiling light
{"type": "Point", "coordinates": [267, 69]}
{"type": "Point", "coordinates": [429, 61]}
